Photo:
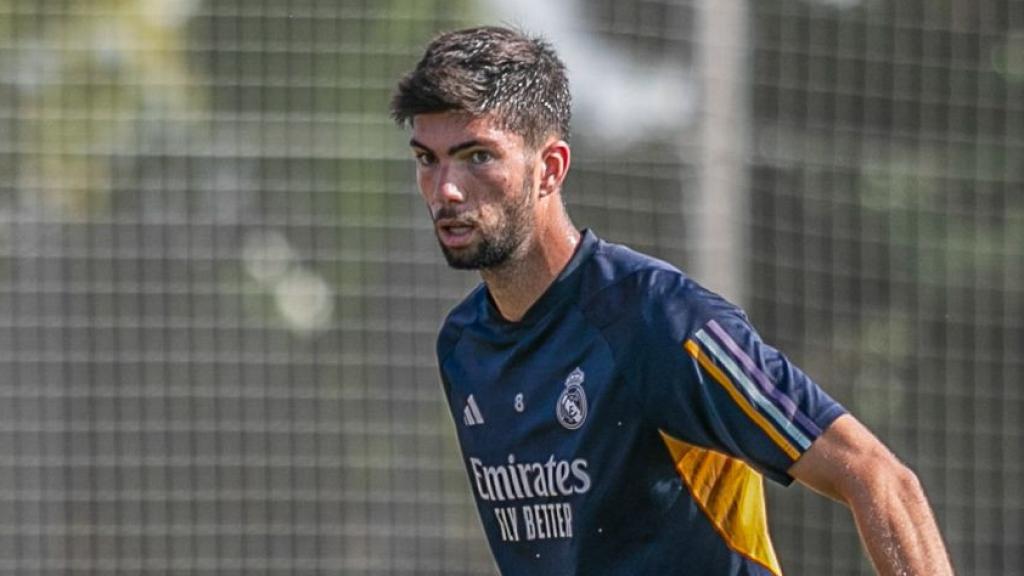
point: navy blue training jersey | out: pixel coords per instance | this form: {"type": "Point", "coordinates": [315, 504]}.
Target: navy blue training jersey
{"type": "Point", "coordinates": [624, 424]}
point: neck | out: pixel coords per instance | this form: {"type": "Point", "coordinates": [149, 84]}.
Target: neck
{"type": "Point", "coordinates": [518, 284]}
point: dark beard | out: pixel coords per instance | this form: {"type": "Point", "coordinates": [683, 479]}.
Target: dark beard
{"type": "Point", "coordinates": [496, 248]}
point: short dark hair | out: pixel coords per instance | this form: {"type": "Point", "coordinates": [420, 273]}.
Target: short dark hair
{"type": "Point", "coordinates": [490, 70]}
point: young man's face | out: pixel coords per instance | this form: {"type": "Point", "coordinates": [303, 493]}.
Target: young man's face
{"type": "Point", "coordinates": [478, 182]}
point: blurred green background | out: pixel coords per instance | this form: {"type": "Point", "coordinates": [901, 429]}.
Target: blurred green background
{"type": "Point", "coordinates": [219, 291]}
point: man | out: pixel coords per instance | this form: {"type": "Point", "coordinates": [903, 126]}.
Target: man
{"type": "Point", "coordinates": [615, 417]}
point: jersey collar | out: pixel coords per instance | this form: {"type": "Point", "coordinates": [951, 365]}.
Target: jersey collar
{"type": "Point", "coordinates": [561, 288]}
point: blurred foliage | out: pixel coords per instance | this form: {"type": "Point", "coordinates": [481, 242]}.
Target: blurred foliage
{"type": "Point", "coordinates": [897, 145]}
{"type": "Point", "coordinates": [888, 197]}
{"type": "Point", "coordinates": [306, 86]}
{"type": "Point", "coordinates": [83, 79]}
{"type": "Point", "coordinates": [232, 112]}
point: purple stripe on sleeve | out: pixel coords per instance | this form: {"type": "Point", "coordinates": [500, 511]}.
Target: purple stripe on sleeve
{"type": "Point", "coordinates": [784, 402]}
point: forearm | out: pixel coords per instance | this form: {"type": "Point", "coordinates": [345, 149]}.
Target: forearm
{"type": "Point", "coordinates": [848, 464]}
{"type": "Point", "coordinates": [898, 529]}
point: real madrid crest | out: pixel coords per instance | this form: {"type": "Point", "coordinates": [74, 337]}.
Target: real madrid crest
{"type": "Point", "coordinates": [572, 402]}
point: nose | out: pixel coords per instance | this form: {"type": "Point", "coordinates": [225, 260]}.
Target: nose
{"type": "Point", "coordinates": [447, 189]}
{"type": "Point", "coordinates": [451, 193]}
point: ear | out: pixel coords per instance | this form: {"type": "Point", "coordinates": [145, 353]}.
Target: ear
{"type": "Point", "coordinates": [555, 158]}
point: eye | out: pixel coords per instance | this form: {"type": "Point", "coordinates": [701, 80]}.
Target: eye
{"type": "Point", "coordinates": [480, 157]}
{"type": "Point", "coordinates": [424, 159]}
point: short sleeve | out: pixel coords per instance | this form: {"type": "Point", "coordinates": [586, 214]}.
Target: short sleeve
{"type": "Point", "coordinates": [709, 379]}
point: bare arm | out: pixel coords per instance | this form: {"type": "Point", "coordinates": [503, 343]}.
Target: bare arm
{"type": "Point", "coordinates": [850, 465]}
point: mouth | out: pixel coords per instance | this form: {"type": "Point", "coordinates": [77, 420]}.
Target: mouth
{"type": "Point", "coordinates": [454, 233]}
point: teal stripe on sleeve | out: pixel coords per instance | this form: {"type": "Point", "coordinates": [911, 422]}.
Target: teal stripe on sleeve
{"type": "Point", "coordinates": [752, 391]}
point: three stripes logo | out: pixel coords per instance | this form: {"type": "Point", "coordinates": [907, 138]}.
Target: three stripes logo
{"type": "Point", "coordinates": [471, 415]}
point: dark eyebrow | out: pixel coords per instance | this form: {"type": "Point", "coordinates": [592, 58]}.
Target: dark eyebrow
{"type": "Point", "coordinates": [465, 145]}
{"type": "Point", "coordinates": [451, 151]}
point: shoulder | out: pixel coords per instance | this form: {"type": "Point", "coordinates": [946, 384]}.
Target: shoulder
{"type": "Point", "coordinates": [462, 315]}
{"type": "Point", "coordinates": [618, 275]}
{"type": "Point", "coordinates": [623, 287]}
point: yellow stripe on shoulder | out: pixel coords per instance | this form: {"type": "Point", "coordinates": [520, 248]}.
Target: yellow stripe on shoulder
{"type": "Point", "coordinates": [731, 495]}
{"type": "Point", "coordinates": [694, 350]}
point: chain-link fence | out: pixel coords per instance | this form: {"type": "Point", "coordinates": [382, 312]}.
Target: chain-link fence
{"type": "Point", "coordinates": [219, 290]}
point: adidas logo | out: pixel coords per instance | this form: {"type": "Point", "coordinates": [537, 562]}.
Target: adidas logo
{"type": "Point", "coordinates": [471, 415]}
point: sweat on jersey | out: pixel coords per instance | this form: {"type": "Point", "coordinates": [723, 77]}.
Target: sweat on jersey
{"type": "Point", "coordinates": [624, 424]}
